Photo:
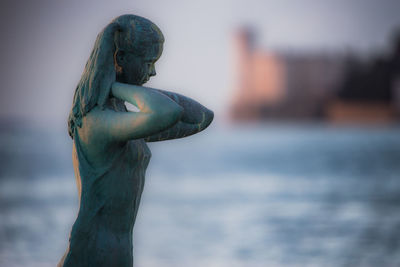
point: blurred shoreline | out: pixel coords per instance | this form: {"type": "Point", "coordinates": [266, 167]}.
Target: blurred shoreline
{"type": "Point", "coordinates": [335, 87]}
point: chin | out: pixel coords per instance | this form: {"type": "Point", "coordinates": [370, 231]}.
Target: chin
{"type": "Point", "coordinates": [145, 81]}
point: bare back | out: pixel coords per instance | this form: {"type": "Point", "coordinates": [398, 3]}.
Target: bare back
{"type": "Point", "coordinates": [108, 206]}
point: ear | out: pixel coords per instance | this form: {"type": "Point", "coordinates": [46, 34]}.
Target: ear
{"type": "Point", "coordinates": [120, 57]}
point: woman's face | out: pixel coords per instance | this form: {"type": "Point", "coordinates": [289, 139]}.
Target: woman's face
{"type": "Point", "coordinates": [136, 69]}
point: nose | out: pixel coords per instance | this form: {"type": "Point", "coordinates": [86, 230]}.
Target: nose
{"type": "Point", "coordinates": [152, 71]}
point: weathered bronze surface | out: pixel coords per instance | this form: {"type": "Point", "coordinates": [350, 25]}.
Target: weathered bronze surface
{"type": "Point", "coordinates": [110, 155]}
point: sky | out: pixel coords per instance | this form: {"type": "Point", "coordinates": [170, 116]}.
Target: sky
{"type": "Point", "coordinates": [45, 44]}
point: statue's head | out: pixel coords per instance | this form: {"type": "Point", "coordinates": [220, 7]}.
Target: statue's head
{"type": "Point", "coordinates": [139, 44]}
{"type": "Point", "coordinates": [124, 51]}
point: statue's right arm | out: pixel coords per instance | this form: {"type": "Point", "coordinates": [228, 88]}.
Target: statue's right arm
{"type": "Point", "coordinates": [157, 112]}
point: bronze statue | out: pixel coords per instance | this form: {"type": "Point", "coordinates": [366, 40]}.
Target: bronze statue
{"type": "Point", "coordinates": [110, 155]}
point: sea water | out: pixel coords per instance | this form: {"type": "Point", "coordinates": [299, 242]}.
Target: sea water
{"type": "Point", "coordinates": [278, 195]}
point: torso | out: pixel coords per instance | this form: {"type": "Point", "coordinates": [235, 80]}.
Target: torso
{"type": "Point", "coordinates": [109, 201]}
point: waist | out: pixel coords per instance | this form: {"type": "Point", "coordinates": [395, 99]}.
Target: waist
{"type": "Point", "coordinates": [101, 244]}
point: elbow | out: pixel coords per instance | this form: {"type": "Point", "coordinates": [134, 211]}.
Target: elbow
{"type": "Point", "coordinates": [207, 119]}
{"type": "Point", "coordinates": [210, 116]}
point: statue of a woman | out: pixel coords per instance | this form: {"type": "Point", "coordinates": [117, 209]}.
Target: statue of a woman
{"type": "Point", "coordinates": [110, 155]}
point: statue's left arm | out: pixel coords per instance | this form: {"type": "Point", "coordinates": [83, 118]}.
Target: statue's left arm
{"type": "Point", "coordinates": [195, 118]}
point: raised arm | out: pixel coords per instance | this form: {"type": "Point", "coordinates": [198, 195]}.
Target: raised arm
{"type": "Point", "coordinates": [195, 118]}
{"type": "Point", "coordinates": [157, 113]}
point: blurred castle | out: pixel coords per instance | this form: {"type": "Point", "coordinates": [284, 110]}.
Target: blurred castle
{"type": "Point", "coordinates": [332, 87]}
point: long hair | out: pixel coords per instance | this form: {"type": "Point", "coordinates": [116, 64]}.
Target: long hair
{"type": "Point", "coordinates": [128, 32]}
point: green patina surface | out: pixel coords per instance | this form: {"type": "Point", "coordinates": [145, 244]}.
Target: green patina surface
{"type": "Point", "coordinates": [110, 155]}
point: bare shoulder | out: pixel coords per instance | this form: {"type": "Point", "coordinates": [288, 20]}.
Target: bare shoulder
{"type": "Point", "coordinates": [95, 127]}
{"type": "Point", "coordinates": [97, 146]}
